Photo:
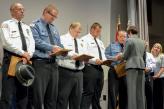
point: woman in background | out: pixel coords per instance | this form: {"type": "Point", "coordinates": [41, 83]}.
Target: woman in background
{"type": "Point", "coordinates": [158, 77]}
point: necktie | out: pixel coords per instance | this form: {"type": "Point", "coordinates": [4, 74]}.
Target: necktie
{"type": "Point", "coordinates": [100, 55]}
{"type": "Point", "coordinates": [24, 45]}
{"type": "Point", "coordinates": [77, 63]}
{"type": "Point", "coordinates": [122, 47]}
{"type": "Point", "coordinates": [50, 35]}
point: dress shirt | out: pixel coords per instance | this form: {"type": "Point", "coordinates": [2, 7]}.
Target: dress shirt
{"type": "Point", "coordinates": [159, 63]}
{"type": "Point", "coordinates": [11, 39]}
{"type": "Point", "coordinates": [150, 61]}
{"type": "Point", "coordinates": [68, 42]}
{"type": "Point", "coordinates": [92, 49]}
{"type": "Point", "coordinates": [112, 50]}
{"type": "Point", "coordinates": [41, 37]}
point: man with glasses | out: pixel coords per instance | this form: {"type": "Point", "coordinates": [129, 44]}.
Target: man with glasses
{"type": "Point", "coordinates": [45, 87]}
{"type": "Point", "coordinates": [18, 42]}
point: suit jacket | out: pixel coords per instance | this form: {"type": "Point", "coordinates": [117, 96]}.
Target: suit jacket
{"type": "Point", "coordinates": [134, 53]}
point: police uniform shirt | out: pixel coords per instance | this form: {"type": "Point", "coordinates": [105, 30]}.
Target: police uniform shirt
{"type": "Point", "coordinates": [112, 50]}
{"type": "Point", "coordinates": [11, 38]}
{"type": "Point", "coordinates": [68, 42]}
{"type": "Point", "coordinates": [42, 40]}
{"type": "Point", "coordinates": [92, 49]}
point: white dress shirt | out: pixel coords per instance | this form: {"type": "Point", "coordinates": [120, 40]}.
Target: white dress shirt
{"type": "Point", "coordinates": [159, 64]}
{"type": "Point", "coordinates": [150, 61]}
{"type": "Point", "coordinates": [92, 49]}
{"type": "Point", "coordinates": [11, 38]}
{"type": "Point", "coordinates": [68, 42]}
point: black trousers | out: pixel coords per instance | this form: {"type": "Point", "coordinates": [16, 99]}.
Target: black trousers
{"type": "Point", "coordinates": [158, 93]}
{"type": "Point", "coordinates": [149, 91]}
{"type": "Point", "coordinates": [70, 89]}
{"type": "Point", "coordinates": [117, 87]}
{"type": "Point", "coordinates": [12, 89]}
{"type": "Point", "coordinates": [44, 91]}
{"type": "Point", "coordinates": [93, 81]}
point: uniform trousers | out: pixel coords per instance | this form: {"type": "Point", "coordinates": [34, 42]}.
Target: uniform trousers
{"type": "Point", "coordinates": [70, 88]}
{"type": "Point", "coordinates": [43, 93]}
{"type": "Point", "coordinates": [93, 81]}
{"type": "Point", "coordinates": [117, 88]}
{"type": "Point", "coordinates": [11, 88]}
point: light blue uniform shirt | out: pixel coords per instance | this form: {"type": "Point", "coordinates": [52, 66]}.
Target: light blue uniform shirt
{"type": "Point", "coordinates": [42, 41]}
{"type": "Point", "coordinates": [112, 50]}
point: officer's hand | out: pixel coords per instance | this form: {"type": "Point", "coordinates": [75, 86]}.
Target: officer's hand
{"type": "Point", "coordinates": [24, 60]}
{"type": "Point", "coordinates": [26, 55]}
{"type": "Point", "coordinates": [74, 56]}
{"type": "Point", "coordinates": [118, 57]}
{"type": "Point", "coordinates": [56, 49]}
{"type": "Point", "coordinates": [147, 70]}
{"type": "Point", "coordinates": [98, 61]}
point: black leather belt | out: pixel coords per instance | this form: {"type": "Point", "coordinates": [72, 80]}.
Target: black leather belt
{"type": "Point", "coordinates": [95, 66]}
{"type": "Point", "coordinates": [46, 60]}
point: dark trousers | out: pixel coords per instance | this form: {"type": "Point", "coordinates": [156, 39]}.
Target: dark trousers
{"type": "Point", "coordinates": [70, 89]}
{"type": "Point", "coordinates": [12, 89]}
{"type": "Point", "coordinates": [149, 91]}
{"type": "Point", "coordinates": [117, 88]}
{"type": "Point", "coordinates": [93, 81]}
{"type": "Point", "coordinates": [44, 91]}
{"type": "Point", "coordinates": [158, 95]}
{"type": "Point", "coordinates": [136, 89]}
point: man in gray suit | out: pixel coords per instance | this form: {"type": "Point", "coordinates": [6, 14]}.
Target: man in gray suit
{"type": "Point", "coordinates": [134, 55]}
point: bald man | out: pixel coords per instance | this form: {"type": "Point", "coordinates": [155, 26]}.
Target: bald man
{"type": "Point", "coordinates": [117, 86]}
{"type": "Point", "coordinates": [17, 41]}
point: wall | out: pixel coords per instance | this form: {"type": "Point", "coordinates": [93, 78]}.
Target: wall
{"type": "Point", "coordinates": [156, 30]}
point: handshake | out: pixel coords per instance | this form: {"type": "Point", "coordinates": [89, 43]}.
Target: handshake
{"type": "Point", "coordinates": [118, 57]}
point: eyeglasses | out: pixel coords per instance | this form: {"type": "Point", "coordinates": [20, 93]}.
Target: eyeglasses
{"type": "Point", "coordinates": [52, 15]}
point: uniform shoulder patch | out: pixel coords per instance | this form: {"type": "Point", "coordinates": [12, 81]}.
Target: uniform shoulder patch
{"type": "Point", "coordinates": [4, 26]}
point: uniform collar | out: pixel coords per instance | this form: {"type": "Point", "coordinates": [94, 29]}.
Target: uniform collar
{"type": "Point", "coordinates": [15, 20]}
{"type": "Point", "coordinates": [43, 21]}
{"type": "Point", "coordinates": [70, 36]}
{"type": "Point", "coordinates": [92, 37]}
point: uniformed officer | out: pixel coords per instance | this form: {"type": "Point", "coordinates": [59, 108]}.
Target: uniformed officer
{"type": "Point", "coordinates": [116, 86]}
{"type": "Point", "coordinates": [70, 71]}
{"type": "Point", "coordinates": [17, 41]}
{"type": "Point", "coordinates": [47, 41]}
{"type": "Point", "coordinates": [93, 72]}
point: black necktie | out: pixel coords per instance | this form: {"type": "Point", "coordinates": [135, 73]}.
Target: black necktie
{"type": "Point", "coordinates": [122, 47]}
{"type": "Point", "coordinates": [77, 63]}
{"type": "Point", "coordinates": [24, 45]}
{"type": "Point", "coordinates": [50, 35]}
{"type": "Point", "coordinates": [100, 55]}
